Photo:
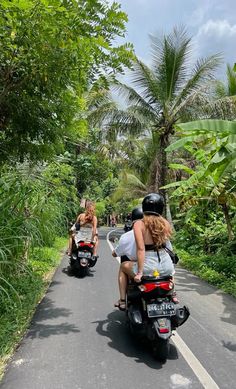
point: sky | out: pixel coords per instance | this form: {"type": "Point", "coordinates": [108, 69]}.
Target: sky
{"type": "Point", "coordinates": [210, 23]}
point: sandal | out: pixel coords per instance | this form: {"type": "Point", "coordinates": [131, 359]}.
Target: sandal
{"type": "Point", "coordinates": [175, 298]}
{"type": "Point", "coordinates": [121, 304]}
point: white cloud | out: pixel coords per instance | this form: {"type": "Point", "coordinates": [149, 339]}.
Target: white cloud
{"type": "Point", "coordinates": [199, 14]}
{"type": "Point", "coordinates": [216, 36]}
{"type": "Point", "coordinates": [217, 28]}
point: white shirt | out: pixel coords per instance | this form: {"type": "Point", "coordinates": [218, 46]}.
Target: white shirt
{"type": "Point", "coordinates": [127, 245]}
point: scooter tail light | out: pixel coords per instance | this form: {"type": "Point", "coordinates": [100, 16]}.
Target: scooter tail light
{"type": "Point", "coordinates": [166, 285]}
{"type": "Point", "coordinates": [148, 287]}
{"type": "Point", "coordinates": [164, 330]}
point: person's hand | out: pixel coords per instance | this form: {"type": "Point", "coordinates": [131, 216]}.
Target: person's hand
{"type": "Point", "coordinates": [138, 276]}
{"type": "Point", "coordinates": [113, 254]}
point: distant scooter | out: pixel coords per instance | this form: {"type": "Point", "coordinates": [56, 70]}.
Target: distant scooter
{"type": "Point", "coordinates": [82, 258]}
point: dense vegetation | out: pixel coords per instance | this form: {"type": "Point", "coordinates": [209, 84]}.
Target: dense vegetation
{"type": "Point", "coordinates": [51, 53]}
{"type": "Point", "coordinates": [63, 137]}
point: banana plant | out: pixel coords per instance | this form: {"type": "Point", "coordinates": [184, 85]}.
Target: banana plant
{"type": "Point", "coordinates": [213, 144]}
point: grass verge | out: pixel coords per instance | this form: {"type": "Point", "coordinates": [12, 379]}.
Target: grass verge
{"type": "Point", "coordinates": [29, 285]}
{"type": "Point", "coordinates": [217, 270]}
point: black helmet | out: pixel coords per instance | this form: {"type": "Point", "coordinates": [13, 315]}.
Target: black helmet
{"type": "Point", "coordinates": [153, 204]}
{"type": "Point", "coordinates": [137, 214]}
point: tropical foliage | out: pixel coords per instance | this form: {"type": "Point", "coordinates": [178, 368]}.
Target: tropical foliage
{"type": "Point", "coordinates": [162, 94]}
{"type": "Point", "coordinates": [50, 52]}
{"type": "Point", "coordinates": [63, 137]}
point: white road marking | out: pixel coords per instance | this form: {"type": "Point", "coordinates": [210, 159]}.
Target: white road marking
{"type": "Point", "coordinates": [200, 372]}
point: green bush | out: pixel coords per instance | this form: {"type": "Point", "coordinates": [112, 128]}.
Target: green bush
{"type": "Point", "coordinates": [219, 271]}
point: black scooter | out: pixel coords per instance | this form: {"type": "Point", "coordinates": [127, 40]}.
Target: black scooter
{"type": "Point", "coordinates": [82, 259]}
{"type": "Point", "coordinates": [152, 314]}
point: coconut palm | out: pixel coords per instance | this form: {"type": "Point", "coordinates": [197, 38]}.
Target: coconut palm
{"type": "Point", "coordinates": [162, 94]}
{"type": "Point", "coordinates": [228, 89]}
{"type": "Point", "coordinates": [223, 106]}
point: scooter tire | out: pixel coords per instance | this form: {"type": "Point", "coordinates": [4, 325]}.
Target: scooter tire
{"type": "Point", "coordinates": [82, 272]}
{"type": "Point", "coordinates": [160, 349]}
{"type": "Point", "coordinates": [70, 271]}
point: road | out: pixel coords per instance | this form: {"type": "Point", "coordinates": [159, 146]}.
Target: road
{"type": "Point", "coordinates": [78, 340]}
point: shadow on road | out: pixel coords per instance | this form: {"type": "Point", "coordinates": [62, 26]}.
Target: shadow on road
{"type": "Point", "coordinates": [229, 345]}
{"type": "Point", "coordinates": [186, 281]}
{"type": "Point", "coordinates": [69, 273]}
{"type": "Point", "coordinates": [115, 328]}
{"type": "Point", "coordinates": [47, 312]}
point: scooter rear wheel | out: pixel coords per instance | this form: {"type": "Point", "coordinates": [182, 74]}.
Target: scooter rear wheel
{"type": "Point", "coordinates": [82, 272]}
{"type": "Point", "coordinates": [160, 349]}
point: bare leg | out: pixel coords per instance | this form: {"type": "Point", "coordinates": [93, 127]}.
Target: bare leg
{"type": "Point", "coordinates": [126, 270]}
{"type": "Point", "coordinates": [95, 247]}
{"type": "Point", "coordinates": [69, 251]}
{"type": "Point", "coordinates": [122, 282]}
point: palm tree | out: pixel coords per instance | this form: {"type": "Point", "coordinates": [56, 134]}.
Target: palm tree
{"type": "Point", "coordinates": [162, 95]}
{"type": "Point", "coordinates": [223, 106]}
{"type": "Point", "coordinates": [229, 89]}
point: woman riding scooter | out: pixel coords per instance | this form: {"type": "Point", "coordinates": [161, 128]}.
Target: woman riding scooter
{"type": "Point", "coordinates": [85, 228]}
{"type": "Point", "coordinates": [151, 234]}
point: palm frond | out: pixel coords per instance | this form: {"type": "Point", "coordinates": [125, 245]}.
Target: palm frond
{"type": "Point", "coordinates": [144, 78]}
{"type": "Point", "coordinates": [132, 97]}
{"type": "Point", "coordinates": [170, 55]}
{"type": "Point", "coordinates": [130, 187]}
{"type": "Point", "coordinates": [202, 73]}
{"type": "Point", "coordinates": [231, 77]}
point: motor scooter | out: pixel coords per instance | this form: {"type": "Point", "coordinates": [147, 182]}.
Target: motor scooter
{"type": "Point", "coordinates": [82, 258]}
{"type": "Point", "coordinates": [152, 314]}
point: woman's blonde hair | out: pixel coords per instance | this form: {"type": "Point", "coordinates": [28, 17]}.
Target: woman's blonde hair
{"type": "Point", "coordinates": [89, 212]}
{"type": "Point", "coordinates": [159, 228]}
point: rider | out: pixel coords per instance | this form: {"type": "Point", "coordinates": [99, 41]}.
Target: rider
{"type": "Point", "coordinates": [126, 248]}
{"type": "Point", "coordinates": [150, 235]}
{"type": "Point", "coordinates": [85, 228]}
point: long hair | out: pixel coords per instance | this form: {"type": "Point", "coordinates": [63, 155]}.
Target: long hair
{"type": "Point", "coordinates": [89, 212]}
{"type": "Point", "coordinates": [159, 228]}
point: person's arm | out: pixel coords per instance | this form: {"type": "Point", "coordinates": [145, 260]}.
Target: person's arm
{"type": "Point", "coordinates": [140, 246]}
{"type": "Point", "coordinates": [73, 228]}
{"type": "Point", "coordinates": [78, 218]}
{"type": "Point", "coordinates": [94, 227]}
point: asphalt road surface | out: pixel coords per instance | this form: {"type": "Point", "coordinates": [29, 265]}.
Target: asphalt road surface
{"type": "Point", "coordinates": [78, 340]}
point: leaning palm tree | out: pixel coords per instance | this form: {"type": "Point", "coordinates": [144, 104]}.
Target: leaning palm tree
{"type": "Point", "coordinates": [162, 94]}
{"type": "Point", "coordinates": [228, 88]}
{"type": "Point", "coordinates": [223, 106]}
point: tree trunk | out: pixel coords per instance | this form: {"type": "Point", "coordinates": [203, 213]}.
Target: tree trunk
{"type": "Point", "coordinates": [159, 174]}
{"type": "Point", "coordinates": [225, 209]}
{"type": "Point", "coordinates": [168, 212]}
{"type": "Point", "coordinates": [163, 167]}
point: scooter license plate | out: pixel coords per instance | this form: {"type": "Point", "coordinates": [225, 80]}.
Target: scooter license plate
{"type": "Point", "coordinates": [163, 309]}
{"type": "Point", "coordinates": [84, 254]}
